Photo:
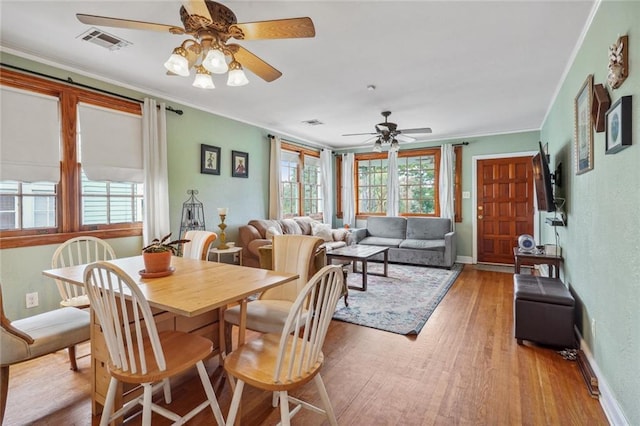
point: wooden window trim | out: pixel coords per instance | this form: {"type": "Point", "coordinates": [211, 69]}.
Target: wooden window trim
{"type": "Point", "coordinates": [68, 189]}
{"type": "Point", "coordinates": [301, 151]}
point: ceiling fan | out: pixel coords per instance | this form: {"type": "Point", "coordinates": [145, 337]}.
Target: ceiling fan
{"type": "Point", "coordinates": [388, 132]}
{"type": "Point", "coordinates": [211, 25]}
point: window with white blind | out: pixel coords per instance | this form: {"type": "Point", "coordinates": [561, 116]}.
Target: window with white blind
{"type": "Point", "coordinates": [38, 210]}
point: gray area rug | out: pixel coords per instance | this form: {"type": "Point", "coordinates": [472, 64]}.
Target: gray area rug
{"type": "Point", "coordinates": [400, 303]}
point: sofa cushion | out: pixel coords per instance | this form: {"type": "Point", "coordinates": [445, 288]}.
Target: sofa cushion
{"type": "Point", "coordinates": [380, 241]}
{"type": "Point", "coordinates": [289, 226]}
{"type": "Point", "coordinates": [427, 228]}
{"type": "Point", "coordinates": [263, 224]}
{"type": "Point", "coordinates": [387, 227]}
{"type": "Point", "coordinates": [340, 234]}
{"type": "Point", "coordinates": [304, 222]}
{"type": "Point", "coordinates": [271, 231]}
{"type": "Point", "coordinates": [438, 245]}
{"type": "Point", "coordinates": [322, 230]}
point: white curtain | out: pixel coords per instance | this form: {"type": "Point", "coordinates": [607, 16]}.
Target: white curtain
{"type": "Point", "coordinates": [348, 194]}
{"type": "Point", "coordinates": [447, 164]}
{"type": "Point", "coordinates": [326, 159]}
{"type": "Point", "coordinates": [156, 176]}
{"type": "Point", "coordinates": [275, 209]}
{"type": "Point", "coordinates": [393, 184]}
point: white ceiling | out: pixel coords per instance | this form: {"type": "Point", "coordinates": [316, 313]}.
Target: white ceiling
{"type": "Point", "coordinates": [464, 69]}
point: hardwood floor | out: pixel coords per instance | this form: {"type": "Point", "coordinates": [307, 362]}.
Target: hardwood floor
{"type": "Point", "coordinates": [464, 368]}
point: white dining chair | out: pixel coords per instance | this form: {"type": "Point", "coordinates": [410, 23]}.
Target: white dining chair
{"type": "Point", "coordinates": [199, 244]}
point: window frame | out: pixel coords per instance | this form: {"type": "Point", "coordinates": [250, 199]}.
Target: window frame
{"type": "Point", "coordinates": [301, 152]}
{"type": "Point", "coordinates": [457, 180]}
{"type": "Point", "coordinates": [68, 190]}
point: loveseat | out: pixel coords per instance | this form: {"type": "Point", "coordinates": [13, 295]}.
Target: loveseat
{"type": "Point", "coordinates": [415, 240]}
{"type": "Point", "coordinates": [258, 233]}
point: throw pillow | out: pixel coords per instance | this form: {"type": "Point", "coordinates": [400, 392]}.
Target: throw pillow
{"type": "Point", "coordinates": [322, 230]}
{"type": "Point", "coordinates": [271, 231]}
{"type": "Point", "coordinates": [340, 234]}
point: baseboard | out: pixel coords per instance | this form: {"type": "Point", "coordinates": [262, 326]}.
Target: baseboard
{"type": "Point", "coordinates": [464, 259]}
{"type": "Point", "coordinates": [609, 405]}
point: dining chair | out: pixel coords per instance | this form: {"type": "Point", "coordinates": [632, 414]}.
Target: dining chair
{"type": "Point", "coordinates": [78, 251]}
{"type": "Point", "coordinates": [199, 244]}
{"type": "Point", "coordinates": [38, 335]}
{"type": "Point", "coordinates": [285, 361]}
{"type": "Point", "coordinates": [292, 253]}
{"type": "Point", "coordinates": [138, 353]}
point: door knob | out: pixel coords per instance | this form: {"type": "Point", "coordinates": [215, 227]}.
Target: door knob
{"type": "Point", "coordinates": [479, 216]}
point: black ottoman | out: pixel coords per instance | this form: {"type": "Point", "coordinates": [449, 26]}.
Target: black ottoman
{"type": "Point", "coordinates": [543, 310]}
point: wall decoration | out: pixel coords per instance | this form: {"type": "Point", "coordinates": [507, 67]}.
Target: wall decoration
{"type": "Point", "coordinates": [209, 159]}
{"type": "Point", "coordinates": [618, 62]}
{"type": "Point", "coordinates": [618, 122]}
{"type": "Point", "coordinates": [239, 164]}
{"type": "Point", "coordinates": [583, 133]}
{"type": "Point", "coordinates": [600, 105]}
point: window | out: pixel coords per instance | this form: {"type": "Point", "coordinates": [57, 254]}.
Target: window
{"type": "Point", "coordinates": [301, 182]}
{"type": "Point", "coordinates": [49, 213]}
{"type": "Point", "coordinates": [418, 179]}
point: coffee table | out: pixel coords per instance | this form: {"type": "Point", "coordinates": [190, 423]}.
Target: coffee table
{"type": "Point", "coordinates": [360, 253]}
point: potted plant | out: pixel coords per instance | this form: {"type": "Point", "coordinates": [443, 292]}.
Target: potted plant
{"type": "Point", "coordinates": [157, 255]}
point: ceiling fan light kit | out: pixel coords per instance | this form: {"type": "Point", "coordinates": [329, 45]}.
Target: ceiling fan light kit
{"type": "Point", "coordinates": [388, 132]}
{"type": "Point", "coordinates": [210, 25]}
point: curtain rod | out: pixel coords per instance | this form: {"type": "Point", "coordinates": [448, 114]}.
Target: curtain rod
{"type": "Point", "coordinates": [70, 81]}
{"type": "Point", "coordinates": [270, 136]}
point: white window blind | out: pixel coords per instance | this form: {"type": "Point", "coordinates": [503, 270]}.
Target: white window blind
{"type": "Point", "coordinates": [111, 144]}
{"type": "Point", "coordinates": [30, 136]}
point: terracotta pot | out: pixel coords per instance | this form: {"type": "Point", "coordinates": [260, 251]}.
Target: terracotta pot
{"type": "Point", "coordinates": [156, 262]}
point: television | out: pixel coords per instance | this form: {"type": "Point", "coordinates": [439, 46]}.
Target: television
{"type": "Point", "coordinates": [542, 181]}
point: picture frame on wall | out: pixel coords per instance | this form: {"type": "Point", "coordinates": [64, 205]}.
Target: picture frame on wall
{"type": "Point", "coordinates": [618, 126]}
{"type": "Point", "coordinates": [583, 132]}
{"type": "Point", "coordinates": [239, 164]}
{"type": "Point", "coordinates": [209, 159]}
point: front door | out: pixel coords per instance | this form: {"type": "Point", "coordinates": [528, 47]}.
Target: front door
{"type": "Point", "coordinates": [505, 206]}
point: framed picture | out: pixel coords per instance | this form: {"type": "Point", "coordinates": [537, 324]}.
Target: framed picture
{"type": "Point", "coordinates": [618, 125]}
{"type": "Point", "coordinates": [239, 164]}
{"type": "Point", "coordinates": [584, 127]}
{"type": "Point", "coordinates": [209, 159]}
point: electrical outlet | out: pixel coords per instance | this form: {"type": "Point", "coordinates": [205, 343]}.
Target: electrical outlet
{"type": "Point", "coordinates": [32, 300]}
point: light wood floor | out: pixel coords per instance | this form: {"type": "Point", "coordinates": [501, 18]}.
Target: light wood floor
{"type": "Point", "coordinates": [465, 368]}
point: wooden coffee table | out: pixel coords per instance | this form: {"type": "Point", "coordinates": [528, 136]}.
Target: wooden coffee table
{"type": "Point", "coordinates": [360, 253]}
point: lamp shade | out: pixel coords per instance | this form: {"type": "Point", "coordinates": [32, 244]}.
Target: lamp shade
{"type": "Point", "coordinates": [215, 62]}
{"type": "Point", "coordinates": [203, 81]}
{"type": "Point", "coordinates": [394, 146]}
{"type": "Point", "coordinates": [237, 78]}
{"type": "Point", "coordinates": [177, 63]}
{"type": "Point", "coordinates": [377, 146]}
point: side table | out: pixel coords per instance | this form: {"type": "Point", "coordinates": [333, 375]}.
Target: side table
{"type": "Point", "coordinates": [538, 258]}
{"type": "Point", "coordinates": [231, 250]}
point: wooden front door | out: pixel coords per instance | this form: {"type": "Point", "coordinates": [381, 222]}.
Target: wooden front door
{"type": "Point", "coordinates": [505, 206]}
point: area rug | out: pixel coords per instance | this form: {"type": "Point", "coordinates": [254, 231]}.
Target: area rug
{"type": "Point", "coordinates": [400, 303]}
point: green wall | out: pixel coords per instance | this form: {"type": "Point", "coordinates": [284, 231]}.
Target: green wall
{"type": "Point", "coordinates": [600, 241]}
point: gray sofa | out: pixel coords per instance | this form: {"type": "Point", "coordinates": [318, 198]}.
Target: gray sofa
{"type": "Point", "coordinates": [416, 240]}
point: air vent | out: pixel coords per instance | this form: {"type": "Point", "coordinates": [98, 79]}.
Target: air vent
{"type": "Point", "coordinates": [313, 122]}
{"type": "Point", "coordinates": [106, 40]}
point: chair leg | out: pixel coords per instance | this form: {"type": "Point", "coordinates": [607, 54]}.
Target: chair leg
{"type": "Point", "coordinates": [108, 403]}
{"type": "Point", "coordinates": [72, 358]}
{"type": "Point", "coordinates": [147, 399]}
{"type": "Point", "coordinates": [166, 386]}
{"type": "Point", "coordinates": [325, 400]}
{"type": "Point", "coordinates": [275, 397]}
{"type": "Point", "coordinates": [235, 403]}
{"type": "Point", "coordinates": [4, 390]}
{"type": "Point", "coordinates": [285, 417]}
{"type": "Point", "coordinates": [211, 396]}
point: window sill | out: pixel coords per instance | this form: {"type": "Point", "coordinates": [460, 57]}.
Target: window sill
{"type": "Point", "coordinates": [46, 239]}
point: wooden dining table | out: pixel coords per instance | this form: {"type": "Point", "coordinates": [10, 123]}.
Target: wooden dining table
{"type": "Point", "coordinates": [191, 299]}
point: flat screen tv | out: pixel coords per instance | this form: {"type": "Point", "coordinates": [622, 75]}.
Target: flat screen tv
{"type": "Point", "coordinates": [542, 180]}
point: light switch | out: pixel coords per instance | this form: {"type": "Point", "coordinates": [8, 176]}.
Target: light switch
{"type": "Point", "coordinates": [466, 194]}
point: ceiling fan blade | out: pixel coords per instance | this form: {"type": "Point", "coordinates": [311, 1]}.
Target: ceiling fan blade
{"type": "Point", "coordinates": [420, 130]}
{"type": "Point", "coordinates": [278, 28]}
{"type": "Point", "coordinates": [359, 134]}
{"type": "Point", "coordinates": [403, 138]}
{"type": "Point", "coordinates": [197, 7]}
{"type": "Point", "coordinates": [368, 140]}
{"type": "Point", "coordinates": [104, 21]}
{"type": "Point", "coordinates": [254, 63]}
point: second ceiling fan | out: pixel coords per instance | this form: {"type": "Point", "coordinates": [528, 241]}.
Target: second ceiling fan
{"type": "Point", "coordinates": [388, 133]}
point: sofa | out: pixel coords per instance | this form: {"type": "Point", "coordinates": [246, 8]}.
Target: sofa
{"type": "Point", "coordinates": [258, 233]}
{"type": "Point", "coordinates": [414, 240]}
